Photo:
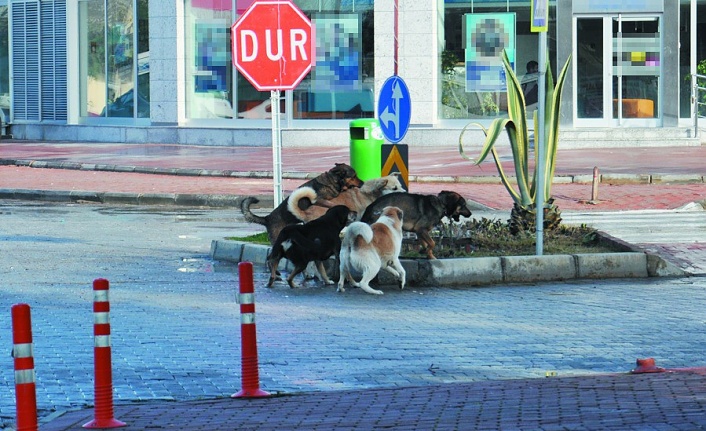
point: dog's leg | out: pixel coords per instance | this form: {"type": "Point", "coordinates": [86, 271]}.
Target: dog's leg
{"type": "Point", "coordinates": [352, 281]}
{"type": "Point", "coordinates": [296, 271]}
{"type": "Point", "coordinates": [364, 284]}
{"type": "Point", "coordinates": [395, 268]}
{"type": "Point", "coordinates": [366, 287]}
{"type": "Point", "coordinates": [342, 275]}
{"type": "Point", "coordinates": [402, 273]}
{"type": "Point", "coordinates": [278, 275]}
{"type": "Point", "coordinates": [428, 242]}
{"type": "Point", "coordinates": [322, 272]}
{"type": "Point", "coordinates": [273, 263]}
{"type": "Point", "coordinates": [391, 269]}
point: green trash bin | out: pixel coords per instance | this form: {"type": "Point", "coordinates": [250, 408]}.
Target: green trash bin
{"type": "Point", "coordinates": [366, 148]}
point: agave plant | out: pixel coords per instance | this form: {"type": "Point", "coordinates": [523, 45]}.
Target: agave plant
{"type": "Point", "coordinates": [523, 213]}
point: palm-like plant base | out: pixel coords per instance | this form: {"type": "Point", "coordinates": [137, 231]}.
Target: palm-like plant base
{"type": "Point", "coordinates": [523, 219]}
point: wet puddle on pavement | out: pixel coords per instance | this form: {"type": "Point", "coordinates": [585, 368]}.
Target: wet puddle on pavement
{"type": "Point", "coordinates": [37, 238]}
{"type": "Point", "coordinates": [204, 264]}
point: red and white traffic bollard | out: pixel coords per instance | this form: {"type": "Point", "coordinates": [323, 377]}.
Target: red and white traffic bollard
{"type": "Point", "coordinates": [248, 339]}
{"type": "Point", "coordinates": [103, 383]}
{"type": "Point", "coordinates": [23, 354]}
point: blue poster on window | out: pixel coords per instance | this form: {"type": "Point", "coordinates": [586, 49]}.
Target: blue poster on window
{"type": "Point", "coordinates": [487, 35]}
{"type": "Point", "coordinates": [211, 57]}
{"type": "Point", "coordinates": [338, 48]}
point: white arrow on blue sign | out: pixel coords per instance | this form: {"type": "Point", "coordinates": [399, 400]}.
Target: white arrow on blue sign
{"type": "Point", "coordinates": [394, 109]}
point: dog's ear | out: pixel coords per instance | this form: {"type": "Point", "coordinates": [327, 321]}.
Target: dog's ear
{"type": "Point", "coordinates": [382, 185]}
{"type": "Point", "coordinates": [341, 170]}
{"type": "Point", "coordinates": [400, 214]}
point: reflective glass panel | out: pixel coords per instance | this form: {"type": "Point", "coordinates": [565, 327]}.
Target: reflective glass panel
{"type": "Point", "coordinates": [92, 29]}
{"type": "Point", "coordinates": [589, 67]}
{"type": "Point", "coordinates": [636, 67]}
{"type": "Point", "coordinates": [120, 53]}
{"type": "Point", "coordinates": [209, 69]}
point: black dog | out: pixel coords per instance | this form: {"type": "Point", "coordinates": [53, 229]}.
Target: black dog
{"type": "Point", "coordinates": [421, 212]}
{"type": "Point", "coordinates": [327, 186]}
{"type": "Point", "coordinates": [314, 241]}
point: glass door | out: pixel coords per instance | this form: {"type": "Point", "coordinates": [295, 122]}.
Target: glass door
{"type": "Point", "coordinates": [617, 71]}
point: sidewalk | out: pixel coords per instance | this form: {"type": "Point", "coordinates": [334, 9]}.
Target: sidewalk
{"type": "Point", "coordinates": [672, 400]}
{"type": "Point", "coordinates": [632, 178]}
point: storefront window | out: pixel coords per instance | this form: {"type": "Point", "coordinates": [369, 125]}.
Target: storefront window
{"type": "Point", "coordinates": [114, 74]}
{"type": "Point", "coordinates": [341, 85]}
{"type": "Point", "coordinates": [685, 34]}
{"type": "Point", "coordinates": [209, 69]}
{"type": "Point", "coordinates": [701, 49]}
{"type": "Point", "coordinates": [473, 81]}
{"type": "Point", "coordinates": [143, 59]}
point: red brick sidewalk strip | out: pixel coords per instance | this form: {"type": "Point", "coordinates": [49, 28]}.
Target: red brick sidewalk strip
{"type": "Point", "coordinates": [673, 400]}
{"type": "Point", "coordinates": [571, 196]}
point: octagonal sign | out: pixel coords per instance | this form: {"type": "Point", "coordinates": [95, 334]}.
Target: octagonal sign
{"type": "Point", "coordinates": [273, 45]}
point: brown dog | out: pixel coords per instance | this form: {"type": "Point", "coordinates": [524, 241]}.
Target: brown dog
{"type": "Point", "coordinates": [327, 186]}
{"type": "Point", "coordinates": [356, 199]}
{"type": "Point", "coordinates": [421, 212]}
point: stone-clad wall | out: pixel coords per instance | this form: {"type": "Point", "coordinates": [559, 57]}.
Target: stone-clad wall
{"type": "Point", "coordinates": [166, 54]}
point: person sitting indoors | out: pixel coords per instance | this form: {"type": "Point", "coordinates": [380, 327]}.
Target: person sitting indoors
{"type": "Point", "coordinates": [529, 83]}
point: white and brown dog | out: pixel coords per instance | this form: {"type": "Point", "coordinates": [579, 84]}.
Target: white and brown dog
{"type": "Point", "coordinates": [356, 199]}
{"type": "Point", "coordinates": [366, 249]}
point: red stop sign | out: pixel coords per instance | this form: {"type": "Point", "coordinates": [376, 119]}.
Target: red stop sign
{"type": "Point", "coordinates": [273, 45]}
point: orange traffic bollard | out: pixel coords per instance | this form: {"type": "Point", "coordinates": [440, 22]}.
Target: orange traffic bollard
{"type": "Point", "coordinates": [103, 383]}
{"type": "Point", "coordinates": [248, 339]}
{"type": "Point", "coordinates": [646, 366]}
{"type": "Point", "coordinates": [23, 354]}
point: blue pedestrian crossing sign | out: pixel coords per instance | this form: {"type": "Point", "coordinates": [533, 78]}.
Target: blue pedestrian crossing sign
{"type": "Point", "coordinates": [394, 109]}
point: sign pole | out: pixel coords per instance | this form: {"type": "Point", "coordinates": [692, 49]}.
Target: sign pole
{"type": "Point", "coordinates": [539, 23]}
{"type": "Point", "coordinates": [539, 144]}
{"type": "Point", "coordinates": [275, 68]}
{"type": "Point", "coordinates": [276, 148]}
{"type": "Point", "coordinates": [396, 30]}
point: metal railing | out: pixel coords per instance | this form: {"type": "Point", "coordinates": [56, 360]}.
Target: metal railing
{"type": "Point", "coordinates": [698, 100]}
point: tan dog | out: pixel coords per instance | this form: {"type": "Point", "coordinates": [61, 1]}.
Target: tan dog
{"type": "Point", "coordinates": [327, 185]}
{"type": "Point", "coordinates": [366, 249]}
{"type": "Point", "coordinates": [356, 199]}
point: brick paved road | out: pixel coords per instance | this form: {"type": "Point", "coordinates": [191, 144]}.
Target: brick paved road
{"type": "Point", "coordinates": [176, 332]}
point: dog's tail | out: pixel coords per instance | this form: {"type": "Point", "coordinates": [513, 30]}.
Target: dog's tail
{"type": "Point", "coordinates": [249, 216]}
{"type": "Point", "coordinates": [359, 229]}
{"type": "Point", "coordinates": [294, 199]}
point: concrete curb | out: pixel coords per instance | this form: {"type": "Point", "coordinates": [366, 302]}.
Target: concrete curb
{"type": "Point", "coordinates": [489, 179]}
{"type": "Point", "coordinates": [485, 271]}
{"type": "Point", "coordinates": [78, 196]}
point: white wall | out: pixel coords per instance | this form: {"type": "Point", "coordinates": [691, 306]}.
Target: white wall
{"type": "Point", "coordinates": [166, 57]}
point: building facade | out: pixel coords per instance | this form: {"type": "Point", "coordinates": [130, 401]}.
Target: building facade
{"type": "Point", "coordinates": [161, 70]}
